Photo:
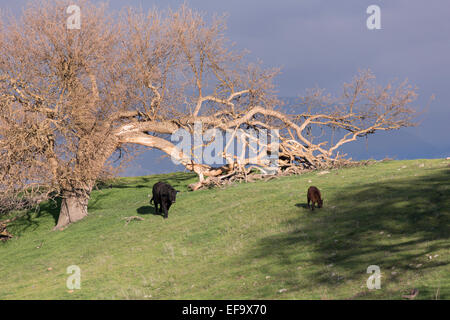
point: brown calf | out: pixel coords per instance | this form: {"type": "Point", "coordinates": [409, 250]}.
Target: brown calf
{"type": "Point", "coordinates": [314, 197]}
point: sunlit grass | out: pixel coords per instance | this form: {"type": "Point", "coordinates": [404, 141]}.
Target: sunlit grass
{"type": "Point", "coordinates": [248, 241]}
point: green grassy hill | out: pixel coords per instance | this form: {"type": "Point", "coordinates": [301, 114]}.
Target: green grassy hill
{"type": "Point", "coordinates": [248, 241]}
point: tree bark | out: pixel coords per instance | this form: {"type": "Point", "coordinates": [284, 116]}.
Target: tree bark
{"type": "Point", "coordinates": [73, 208]}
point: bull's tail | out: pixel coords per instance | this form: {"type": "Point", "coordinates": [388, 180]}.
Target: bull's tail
{"type": "Point", "coordinates": [151, 200]}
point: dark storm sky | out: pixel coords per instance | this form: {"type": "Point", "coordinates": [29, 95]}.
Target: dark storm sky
{"type": "Point", "coordinates": [324, 43]}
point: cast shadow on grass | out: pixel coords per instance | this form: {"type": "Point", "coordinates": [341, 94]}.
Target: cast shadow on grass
{"type": "Point", "coordinates": [33, 218]}
{"type": "Point", "coordinates": [26, 223]}
{"type": "Point", "coordinates": [147, 210]}
{"type": "Point", "coordinates": [393, 225]}
{"type": "Point", "coordinates": [52, 208]}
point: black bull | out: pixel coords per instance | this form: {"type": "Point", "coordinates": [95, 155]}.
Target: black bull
{"type": "Point", "coordinates": [164, 195]}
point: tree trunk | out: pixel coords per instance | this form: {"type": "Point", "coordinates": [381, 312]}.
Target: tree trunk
{"type": "Point", "coordinates": [73, 208]}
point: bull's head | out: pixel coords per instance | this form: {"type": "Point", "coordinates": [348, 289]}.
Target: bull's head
{"type": "Point", "coordinates": [173, 195]}
{"type": "Point", "coordinates": [320, 203]}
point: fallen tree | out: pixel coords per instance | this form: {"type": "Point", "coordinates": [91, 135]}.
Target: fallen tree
{"type": "Point", "coordinates": [72, 102]}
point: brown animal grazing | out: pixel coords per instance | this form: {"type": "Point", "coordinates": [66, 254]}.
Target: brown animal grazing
{"type": "Point", "coordinates": [314, 197]}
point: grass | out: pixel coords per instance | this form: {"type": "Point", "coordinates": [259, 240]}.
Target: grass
{"type": "Point", "coordinates": [248, 241]}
